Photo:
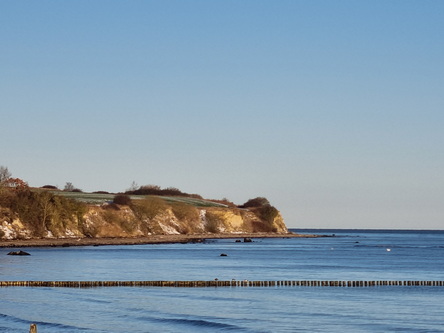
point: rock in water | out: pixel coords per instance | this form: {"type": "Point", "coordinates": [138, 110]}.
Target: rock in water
{"type": "Point", "coordinates": [18, 253]}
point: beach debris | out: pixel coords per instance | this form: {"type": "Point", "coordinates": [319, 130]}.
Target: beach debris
{"type": "Point", "coordinates": [18, 253]}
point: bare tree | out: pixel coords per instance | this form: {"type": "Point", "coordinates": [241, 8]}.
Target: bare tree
{"type": "Point", "coordinates": [45, 202]}
{"type": "Point", "coordinates": [69, 187]}
{"type": "Point", "coordinates": [133, 187]}
{"type": "Point", "coordinates": [4, 174]}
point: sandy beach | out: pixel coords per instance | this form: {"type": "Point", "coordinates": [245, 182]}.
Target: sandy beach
{"type": "Point", "coordinates": [154, 239]}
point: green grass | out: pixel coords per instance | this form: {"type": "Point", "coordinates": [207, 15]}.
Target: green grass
{"type": "Point", "coordinates": [194, 201]}
{"type": "Point", "coordinates": [99, 198]}
{"type": "Point", "coordinates": [90, 198]}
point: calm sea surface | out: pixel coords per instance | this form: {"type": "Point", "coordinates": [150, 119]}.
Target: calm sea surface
{"type": "Point", "coordinates": [350, 255]}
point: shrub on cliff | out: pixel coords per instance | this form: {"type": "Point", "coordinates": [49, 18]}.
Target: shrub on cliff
{"type": "Point", "coordinates": [114, 218]}
{"type": "Point", "coordinates": [149, 207]}
{"type": "Point", "coordinates": [185, 212]}
{"type": "Point", "coordinates": [122, 199]}
{"type": "Point", "coordinates": [156, 190]}
{"type": "Point", "coordinates": [50, 187]}
{"type": "Point", "coordinates": [213, 222]}
{"type": "Point", "coordinates": [263, 209]}
{"type": "Point", "coordinates": [256, 202]}
{"type": "Point", "coordinates": [268, 213]}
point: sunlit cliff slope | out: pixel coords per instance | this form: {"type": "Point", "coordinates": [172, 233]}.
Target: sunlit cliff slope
{"type": "Point", "coordinates": [41, 213]}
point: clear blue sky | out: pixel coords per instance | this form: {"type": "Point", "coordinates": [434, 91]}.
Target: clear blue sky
{"type": "Point", "coordinates": [333, 110]}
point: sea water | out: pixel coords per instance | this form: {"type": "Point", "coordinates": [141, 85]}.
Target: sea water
{"type": "Point", "coordinates": [345, 255]}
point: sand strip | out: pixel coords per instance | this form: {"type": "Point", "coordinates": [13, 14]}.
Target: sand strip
{"type": "Point", "coordinates": [154, 239]}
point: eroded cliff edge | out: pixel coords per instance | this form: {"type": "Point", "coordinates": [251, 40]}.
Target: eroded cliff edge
{"type": "Point", "coordinates": [53, 216]}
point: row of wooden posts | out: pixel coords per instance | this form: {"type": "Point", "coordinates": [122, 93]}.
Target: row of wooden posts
{"type": "Point", "coordinates": [213, 283]}
{"type": "Point", "coordinates": [218, 283]}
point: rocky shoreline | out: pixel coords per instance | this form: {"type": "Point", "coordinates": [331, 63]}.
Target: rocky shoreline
{"type": "Point", "coordinates": [154, 239]}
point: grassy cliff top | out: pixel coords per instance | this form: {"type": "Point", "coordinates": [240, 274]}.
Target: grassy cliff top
{"type": "Point", "coordinates": [102, 198]}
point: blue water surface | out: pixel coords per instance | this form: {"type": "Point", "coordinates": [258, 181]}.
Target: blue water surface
{"type": "Point", "coordinates": [348, 255]}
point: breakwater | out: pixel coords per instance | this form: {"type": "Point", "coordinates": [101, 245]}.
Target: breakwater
{"type": "Point", "coordinates": [218, 283]}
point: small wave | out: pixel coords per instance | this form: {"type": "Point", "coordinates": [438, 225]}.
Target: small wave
{"type": "Point", "coordinates": [93, 300]}
{"type": "Point", "coordinates": [61, 326]}
{"type": "Point", "coordinates": [201, 323]}
{"type": "Point", "coordinates": [40, 324]}
{"type": "Point", "coordinates": [14, 319]}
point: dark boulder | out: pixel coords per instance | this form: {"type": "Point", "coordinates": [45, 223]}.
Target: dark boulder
{"type": "Point", "coordinates": [18, 253]}
{"type": "Point", "coordinates": [247, 240]}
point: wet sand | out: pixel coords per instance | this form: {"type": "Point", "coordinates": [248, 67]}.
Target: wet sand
{"type": "Point", "coordinates": [154, 239]}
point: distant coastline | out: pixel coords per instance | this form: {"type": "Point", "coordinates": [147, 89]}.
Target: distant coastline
{"type": "Point", "coordinates": [366, 230]}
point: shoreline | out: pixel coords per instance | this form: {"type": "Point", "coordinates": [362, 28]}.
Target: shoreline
{"type": "Point", "coordinates": [154, 239]}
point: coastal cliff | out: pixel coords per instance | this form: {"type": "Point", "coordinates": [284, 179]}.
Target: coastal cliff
{"type": "Point", "coordinates": [125, 222]}
{"type": "Point", "coordinates": [53, 215]}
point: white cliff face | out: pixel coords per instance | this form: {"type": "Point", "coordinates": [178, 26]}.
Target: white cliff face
{"type": "Point", "coordinates": [13, 229]}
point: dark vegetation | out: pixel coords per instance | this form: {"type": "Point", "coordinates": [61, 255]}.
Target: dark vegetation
{"type": "Point", "coordinates": [50, 187]}
{"type": "Point", "coordinates": [256, 202]}
{"type": "Point", "coordinates": [157, 190]}
{"type": "Point", "coordinates": [260, 204]}
{"type": "Point", "coordinates": [214, 222]}
{"type": "Point", "coordinates": [122, 199]}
